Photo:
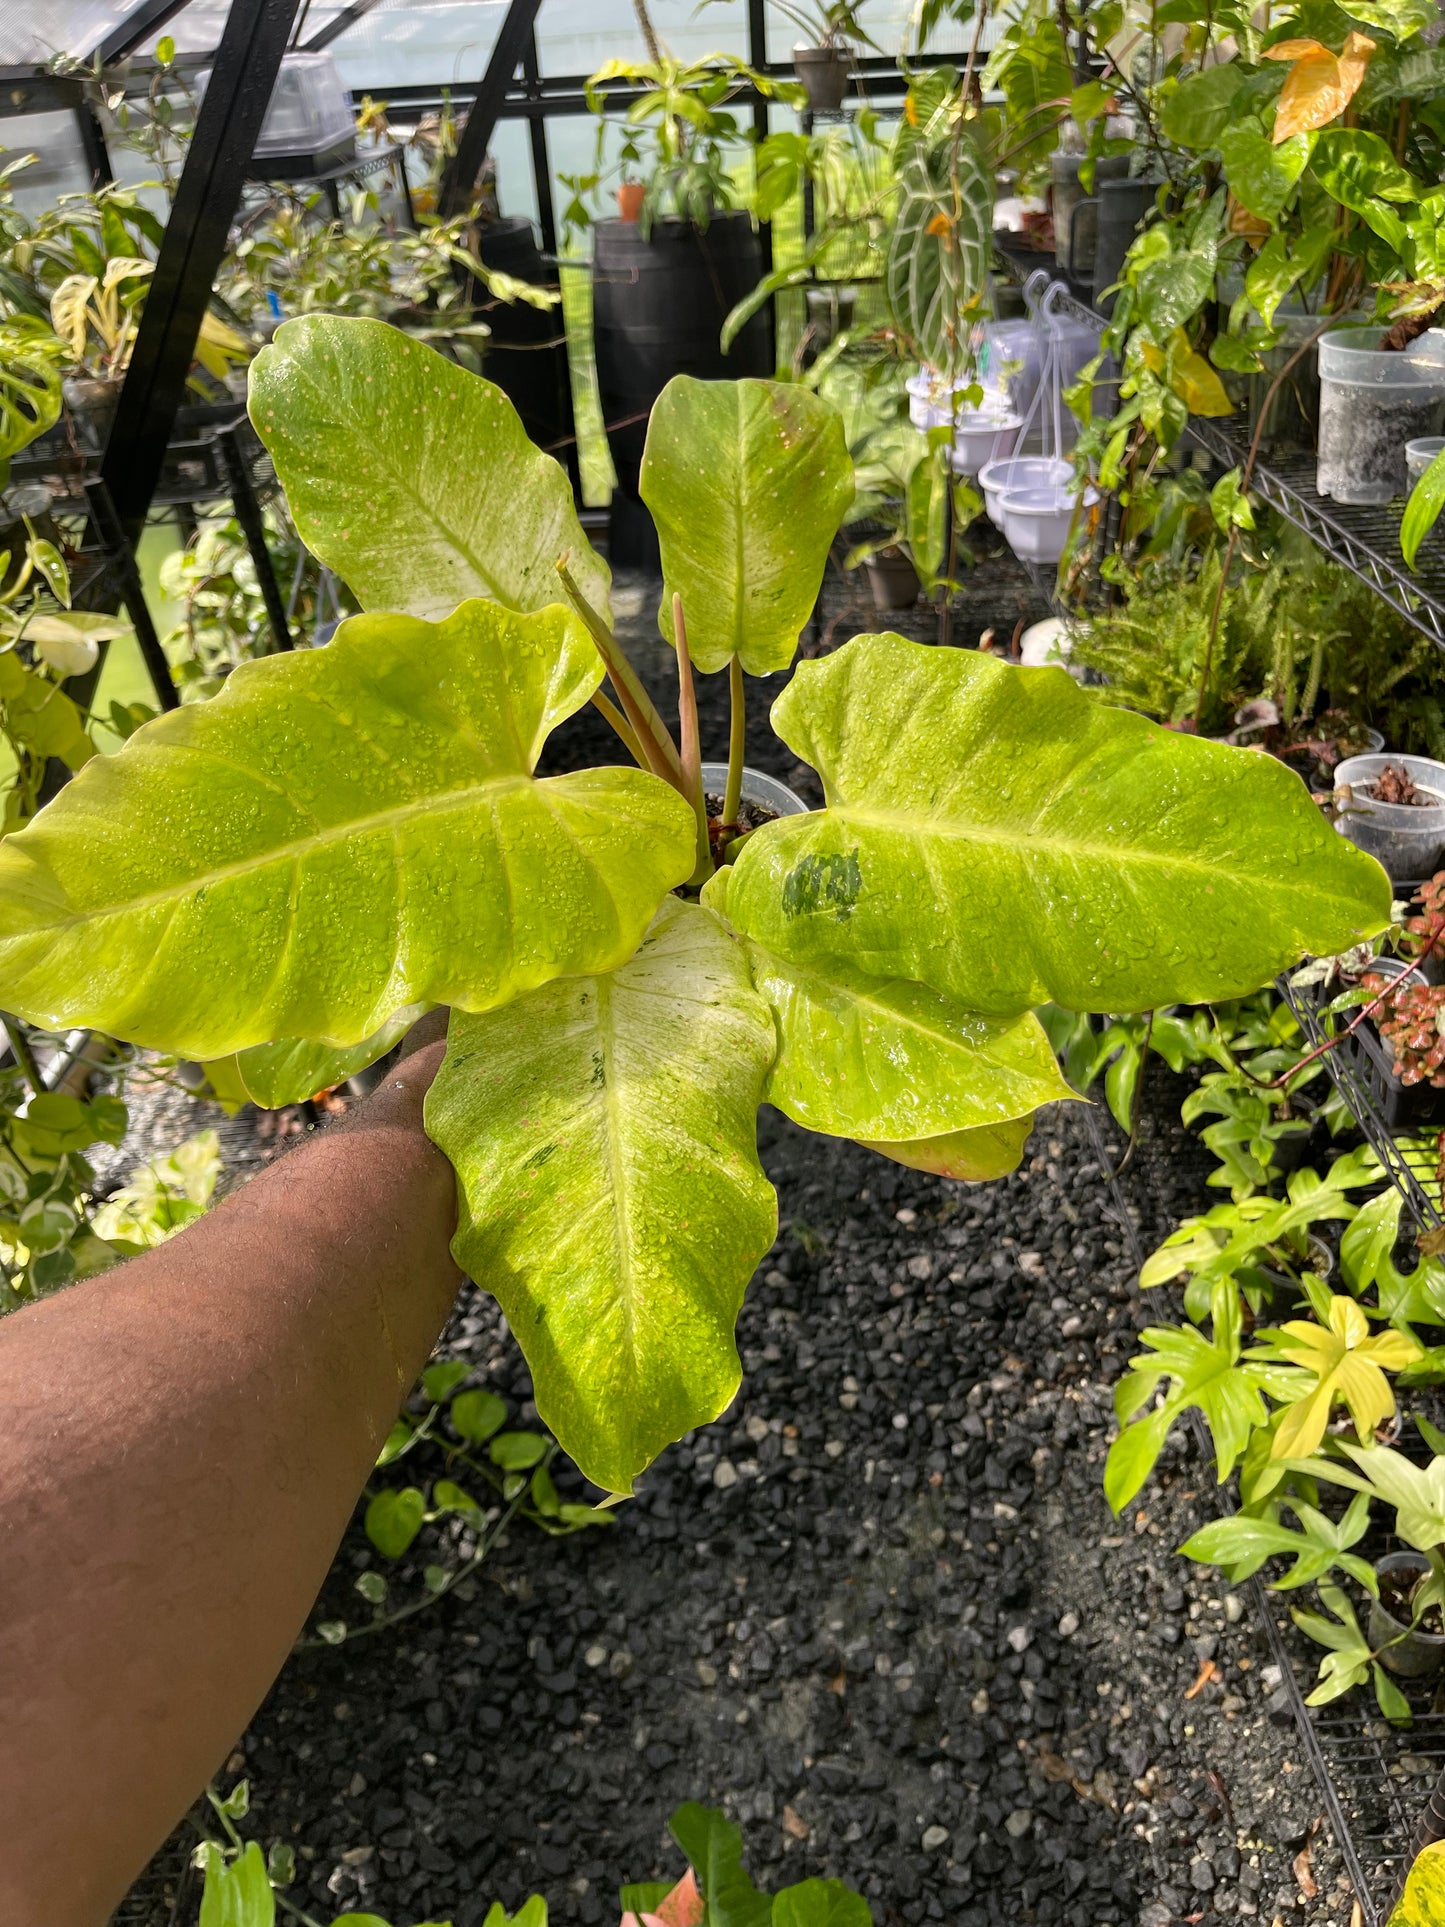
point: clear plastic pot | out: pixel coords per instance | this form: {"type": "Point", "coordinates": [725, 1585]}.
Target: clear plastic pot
{"type": "Point", "coordinates": [758, 787]}
{"type": "Point", "coordinates": [1373, 402]}
{"type": "Point", "coordinates": [1407, 839]}
{"type": "Point", "coordinates": [1020, 471]}
{"type": "Point", "coordinates": [1419, 454]}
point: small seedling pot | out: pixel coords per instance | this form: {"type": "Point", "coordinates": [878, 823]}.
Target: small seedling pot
{"type": "Point", "coordinates": [1403, 1649]}
{"type": "Point", "coordinates": [824, 72]}
{"type": "Point", "coordinates": [630, 197]}
{"type": "Point", "coordinates": [1419, 454]}
{"type": "Point", "coordinates": [767, 795]}
{"type": "Point", "coordinates": [1019, 471]}
{"type": "Point", "coordinates": [1406, 839]}
{"type": "Point", "coordinates": [1290, 1149]}
{"type": "Point", "coordinates": [1399, 1105]}
{"type": "Point", "coordinates": [1036, 521]}
{"type": "Point", "coordinates": [980, 439]}
{"type": "Point", "coordinates": [892, 579]}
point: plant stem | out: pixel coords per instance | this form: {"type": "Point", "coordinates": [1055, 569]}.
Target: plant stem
{"type": "Point", "coordinates": [649, 32]}
{"type": "Point", "coordinates": [651, 732]}
{"type": "Point", "coordinates": [737, 742]}
{"type": "Point", "coordinates": [24, 1056]}
{"type": "Point", "coordinates": [621, 725]}
{"type": "Point", "coordinates": [691, 743]}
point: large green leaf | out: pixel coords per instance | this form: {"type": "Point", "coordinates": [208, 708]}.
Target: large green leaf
{"type": "Point", "coordinates": [411, 478]}
{"type": "Point", "coordinates": [339, 833]}
{"type": "Point", "coordinates": [747, 482]}
{"type": "Point", "coordinates": [936, 266]}
{"type": "Point", "coordinates": [603, 1131]}
{"type": "Point", "coordinates": [883, 1058]}
{"type": "Point", "coordinates": [294, 1068]}
{"type": "Point", "coordinates": [1199, 109]}
{"type": "Point", "coordinates": [974, 1156]}
{"type": "Point", "coordinates": [995, 834]}
{"type": "Point", "coordinates": [1263, 175]}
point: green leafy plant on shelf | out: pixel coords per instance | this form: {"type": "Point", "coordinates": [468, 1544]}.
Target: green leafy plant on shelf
{"type": "Point", "coordinates": [366, 836]}
{"type": "Point", "coordinates": [242, 1883]}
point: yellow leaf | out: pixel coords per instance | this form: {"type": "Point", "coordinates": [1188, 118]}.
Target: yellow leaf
{"type": "Point", "coordinates": [1190, 375]}
{"type": "Point", "coordinates": [1423, 1902]}
{"type": "Point", "coordinates": [1347, 1364]}
{"type": "Point", "coordinates": [1319, 85]}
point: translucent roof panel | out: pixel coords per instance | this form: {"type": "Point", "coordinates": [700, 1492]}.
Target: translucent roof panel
{"type": "Point", "coordinates": [33, 33]}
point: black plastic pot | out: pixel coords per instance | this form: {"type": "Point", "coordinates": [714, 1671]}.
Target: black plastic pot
{"type": "Point", "coordinates": [527, 353]}
{"type": "Point", "coordinates": [1373, 1062]}
{"type": "Point", "coordinates": [1411, 1654]}
{"type": "Point", "coordinates": [1124, 206]}
{"type": "Point", "coordinates": [91, 402]}
{"type": "Point", "coordinates": [893, 579]}
{"type": "Point", "coordinates": [658, 306]}
{"type": "Point", "coordinates": [824, 72]}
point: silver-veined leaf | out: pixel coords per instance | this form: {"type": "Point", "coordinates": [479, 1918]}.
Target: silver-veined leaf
{"type": "Point", "coordinates": [411, 478]}
{"type": "Point", "coordinates": [747, 482]}
{"type": "Point", "coordinates": [341, 832]}
{"type": "Point", "coordinates": [938, 251]}
{"type": "Point", "coordinates": [998, 836]}
{"type": "Point", "coordinates": [603, 1132]}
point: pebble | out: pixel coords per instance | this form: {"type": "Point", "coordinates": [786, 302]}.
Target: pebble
{"type": "Point", "coordinates": [1068, 1625]}
{"type": "Point", "coordinates": [1018, 1823]}
{"type": "Point", "coordinates": [934, 1838]}
{"type": "Point", "coordinates": [724, 1475]}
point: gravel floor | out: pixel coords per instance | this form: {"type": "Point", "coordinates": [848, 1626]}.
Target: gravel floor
{"type": "Point", "coordinates": [880, 1611]}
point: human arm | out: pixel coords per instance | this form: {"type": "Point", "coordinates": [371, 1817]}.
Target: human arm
{"type": "Point", "coordinates": [184, 1440]}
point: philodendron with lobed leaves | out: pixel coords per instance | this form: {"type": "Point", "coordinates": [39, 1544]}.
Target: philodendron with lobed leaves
{"type": "Point", "coordinates": [282, 876]}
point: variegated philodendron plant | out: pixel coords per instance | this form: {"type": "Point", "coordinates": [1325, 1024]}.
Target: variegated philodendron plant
{"type": "Point", "coordinates": [283, 876]}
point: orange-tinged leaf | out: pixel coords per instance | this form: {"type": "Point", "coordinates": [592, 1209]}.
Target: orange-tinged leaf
{"type": "Point", "coordinates": [1319, 85]}
{"type": "Point", "coordinates": [683, 1907]}
{"type": "Point", "coordinates": [1252, 226]}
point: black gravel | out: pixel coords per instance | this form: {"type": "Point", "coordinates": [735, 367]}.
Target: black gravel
{"type": "Point", "coordinates": [879, 1612]}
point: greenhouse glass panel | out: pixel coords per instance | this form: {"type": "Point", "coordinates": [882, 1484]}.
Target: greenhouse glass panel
{"type": "Point", "coordinates": [59, 166]}
{"type": "Point", "coordinates": [33, 34]}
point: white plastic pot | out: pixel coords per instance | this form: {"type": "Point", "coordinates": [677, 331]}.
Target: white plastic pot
{"type": "Point", "coordinates": [1036, 521]}
{"type": "Point", "coordinates": [980, 438]}
{"type": "Point", "coordinates": [1019, 471]}
{"type": "Point", "coordinates": [1407, 839]}
{"type": "Point", "coordinates": [925, 408]}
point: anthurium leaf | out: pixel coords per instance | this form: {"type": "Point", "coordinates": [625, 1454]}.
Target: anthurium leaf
{"type": "Point", "coordinates": [603, 1132]}
{"type": "Point", "coordinates": [747, 482]}
{"type": "Point", "coordinates": [999, 837]}
{"type": "Point", "coordinates": [1423, 1901]}
{"type": "Point", "coordinates": [294, 1069]}
{"type": "Point", "coordinates": [340, 833]}
{"type": "Point", "coordinates": [974, 1156]}
{"type": "Point", "coordinates": [411, 478]}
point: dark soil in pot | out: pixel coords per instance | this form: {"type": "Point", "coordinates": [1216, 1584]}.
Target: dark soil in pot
{"type": "Point", "coordinates": [1410, 1647]}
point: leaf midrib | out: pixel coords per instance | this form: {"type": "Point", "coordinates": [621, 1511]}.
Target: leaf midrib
{"type": "Point", "coordinates": [294, 852]}
{"type": "Point", "coordinates": [1045, 843]}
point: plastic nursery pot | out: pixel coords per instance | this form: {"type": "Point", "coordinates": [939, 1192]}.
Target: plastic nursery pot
{"type": "Point", "coordinates": [980, 438]}
{"type": "Point", "coordinates": [1406, 838]}
{"type": "Point", "coordinates": [1418, 456]}
{"type": "Point", "coordinates": [91, 402]}
{"type": "Point", "coordinates": [1036, 521]}
{"type": "Point", "coordinates": [1373, 1062]}
{"type": "Point", "coordinates": [766, 796]}
{"type": "Point", "coordinates": [824, 72]}
{"type": "Point", "coordinates": [892, 579]}
{"type": "Point", "coordinates": [1372, 403]}
{"type": "Point", "coordinates": [27, 501]}
{"type": "Point", "coordinates": [1403, 1649]}
{"type": "Point", "coordinates": [1020, 471]}
{"type": "Point", "coordinates": [630, 197]}
{"type": "Point", "coordinates": [830, 313]}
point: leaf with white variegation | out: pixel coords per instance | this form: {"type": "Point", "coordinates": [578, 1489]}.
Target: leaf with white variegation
{"type": "Point", "coordinates": [747, 482]}
{"type": "Point", "coordinates": [936, 268]}
{"type": "Point", "coordinates": [603, 1130]}
{"type": "Point", "coordinates": [338, 834]}
{"type": "Point", "coordinates": [411, 478]}
{"type": "Point", "coordinates": [995, 834]}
